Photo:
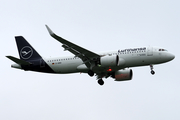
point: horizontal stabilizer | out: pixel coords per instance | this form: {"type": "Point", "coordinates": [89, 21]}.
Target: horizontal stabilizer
{"type": "Point", "coordinates": [18, 61]}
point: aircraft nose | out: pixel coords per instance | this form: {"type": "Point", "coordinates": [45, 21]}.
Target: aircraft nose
{"type": "Point", "coordinates": [171, 56]}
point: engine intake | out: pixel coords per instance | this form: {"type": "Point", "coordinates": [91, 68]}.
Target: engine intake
{"type": "Point", "coordinates": [107, 61]}
{"type": "Point", "coordinates": [123, 75]}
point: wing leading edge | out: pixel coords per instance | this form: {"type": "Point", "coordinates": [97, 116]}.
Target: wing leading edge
{"type": "Point", "coordinates": [88, 57]}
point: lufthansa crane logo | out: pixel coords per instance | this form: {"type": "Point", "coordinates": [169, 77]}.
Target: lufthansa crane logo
{"type": "Point", "coordinates": [26, 52]}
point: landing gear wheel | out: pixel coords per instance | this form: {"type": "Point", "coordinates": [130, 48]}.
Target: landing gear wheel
{"type": "Point", "coordinates": [152, 72]}
{"type": "Point", "coordinates": [90, 73]}
{"type": "Point", "coordinates": [101, 82]}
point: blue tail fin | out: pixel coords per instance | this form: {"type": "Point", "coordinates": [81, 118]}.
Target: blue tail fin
{"type": "Point", "coordinates": [26, 51]}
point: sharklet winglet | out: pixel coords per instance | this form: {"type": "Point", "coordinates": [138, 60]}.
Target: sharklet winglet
{"type": "Point", "coordinates": [50, 31]}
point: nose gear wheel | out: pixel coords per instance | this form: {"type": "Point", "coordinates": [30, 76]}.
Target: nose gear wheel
{"type": "Point", "coordinates": [152, 71]}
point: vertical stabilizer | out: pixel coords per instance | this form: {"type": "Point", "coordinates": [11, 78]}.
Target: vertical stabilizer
{"type": "Point", "coordinates": [26, 51]}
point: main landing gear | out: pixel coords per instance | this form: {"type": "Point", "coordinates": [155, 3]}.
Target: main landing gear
{"type": "Point", "coordinates": [152, 71]}
{"type": "Point", "coordinates": [100, 82]}
{"type": "Point", "coordinates": [90, 73]}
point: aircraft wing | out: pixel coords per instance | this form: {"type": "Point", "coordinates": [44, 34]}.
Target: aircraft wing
{"type": "Point", "coordinates": [88, 57]}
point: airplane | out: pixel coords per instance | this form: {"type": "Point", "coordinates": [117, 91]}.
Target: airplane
{"type": "Point", "coordinates": [115, 64]}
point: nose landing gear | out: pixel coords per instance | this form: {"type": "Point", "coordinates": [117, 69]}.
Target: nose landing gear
{"type": "Point", "coordinates": [152, 71]}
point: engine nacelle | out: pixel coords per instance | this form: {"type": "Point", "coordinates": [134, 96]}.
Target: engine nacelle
{"type": "Point", "coordinates": [108, 61]}
{"type": "Point", "coordinates": [123, 75]}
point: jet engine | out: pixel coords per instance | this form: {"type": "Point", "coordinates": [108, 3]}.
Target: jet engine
{"type": "Point", "coordinates": [123, 75]}
{"type": "Point", "coordinates": [107, 61]}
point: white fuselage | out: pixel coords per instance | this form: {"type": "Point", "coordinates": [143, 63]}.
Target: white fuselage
{"type": "Point", "coordinates": [127, 57]}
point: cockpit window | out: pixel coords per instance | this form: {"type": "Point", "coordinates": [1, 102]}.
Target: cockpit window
{"type": "Point", "coordinates": [162, 50]}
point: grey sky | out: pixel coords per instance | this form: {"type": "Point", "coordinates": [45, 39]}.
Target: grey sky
{"type": "Point", "coordinates": [98, 26]}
